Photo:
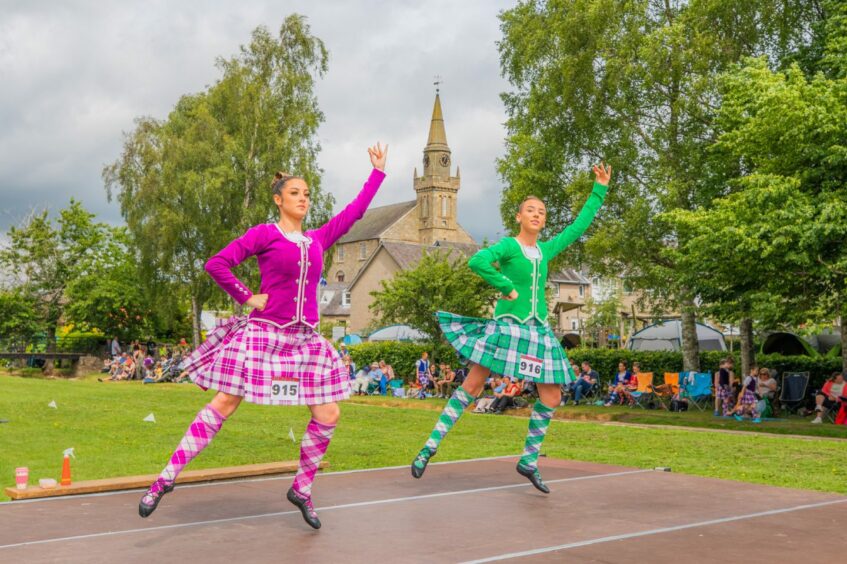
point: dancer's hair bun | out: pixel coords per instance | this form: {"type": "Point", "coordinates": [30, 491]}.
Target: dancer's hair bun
{"type": "Point", "coordinates": [280, 178]}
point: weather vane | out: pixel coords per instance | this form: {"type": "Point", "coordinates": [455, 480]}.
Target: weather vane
{"type": "Point", "coordinates": [437, 83]}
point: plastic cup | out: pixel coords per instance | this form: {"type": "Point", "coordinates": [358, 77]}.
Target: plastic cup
{"type": "Point", "coordinates": [21, 477]}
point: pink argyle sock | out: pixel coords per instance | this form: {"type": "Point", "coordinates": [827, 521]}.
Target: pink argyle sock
{"type": "Point", "coordinates": [312, 449]}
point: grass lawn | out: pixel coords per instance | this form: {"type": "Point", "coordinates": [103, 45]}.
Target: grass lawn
{"type": "Point", "coordinates": [103, 422]}
{"type": "Point", "coordinates": [792, 425]}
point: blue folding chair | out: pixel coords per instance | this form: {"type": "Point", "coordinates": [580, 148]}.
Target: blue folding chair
{"type": "Point", "coordinates": [698, 388]}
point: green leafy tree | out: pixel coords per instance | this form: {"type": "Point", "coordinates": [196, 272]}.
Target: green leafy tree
{"type": "Point", "coordinates": [437, 283]}
{"type": "Point", "coordinates": [46, 257]}
{"type": "Point", "coordinates": [190, 184]}
{"type": "Point", "coordinates": [776, 246]}
{"type": "Point", "coordinates": [110, 295]}
{"type": "Point", "coordinates": [19, 321]}
{"type": "Point", "coordinates": [634, 83]}
{"type": "Point", "coordinates": [602, 318]}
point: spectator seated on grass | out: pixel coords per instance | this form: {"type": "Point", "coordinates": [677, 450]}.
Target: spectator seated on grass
{"type": "Point", "coordinates": [830, 396]}
{"type": "Point", "coordinates": [350, 366]}
{"type": "Point", "coordinates": [620, 380]}
{"type": "Point", "coordinates": [459, 376]}
{"type": "Point", "coordinates": [680, 400]}
{"type": "Point", "coordinates": [765, 392]}
{"type": "Point", "coordinates": [122, 369]}
{"type": "Point", "coordinates": [387, 375]}
{"type": "Point", "coordinates": [498, 385]}
{"type": "Point", "coordinates": [746, 404]}
{"type": "Point", "coordinates": [377, 377]}
{"type": "Point", "coordinates": [586, 381]}
{"type": "Point", "coordinates": [506, 398]}
{"type": "Point", "coordinates": [362, 381]}
{"type": "Point", "coordinates": [148, 367]}
{"type": "Point", "coordinates": [442, 384]}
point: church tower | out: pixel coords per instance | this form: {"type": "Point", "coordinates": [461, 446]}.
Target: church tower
{"type": "Point", "coordinates": [436, 190]}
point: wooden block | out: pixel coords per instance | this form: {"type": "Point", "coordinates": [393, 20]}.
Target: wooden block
{"type": "Point", "coordinates": [140, 482]}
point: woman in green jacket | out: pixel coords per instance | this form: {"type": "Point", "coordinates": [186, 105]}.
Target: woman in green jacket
{"type": "Point", "coordinates": [518, 342]}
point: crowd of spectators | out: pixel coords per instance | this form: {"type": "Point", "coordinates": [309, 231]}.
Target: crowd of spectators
{"type": "Point", "coordinates": [149, 362]}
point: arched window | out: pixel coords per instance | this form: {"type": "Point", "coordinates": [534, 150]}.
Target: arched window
{"type": "Point", "coordinates": [340, 276]}
{"type": "Point", "coordinates": [425, 207]}
{"type": "Point", "coordinates": [443, 206]}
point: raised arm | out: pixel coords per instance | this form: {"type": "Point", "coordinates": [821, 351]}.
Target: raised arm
{"type": "Point", "coordinates": [586, 215]}
{"type": "Point", "coordinates": [482, 264]}
{"type": "Point", "coordinates": [338, 226]}
{"type": "Point", "coordinates": [220, 266]}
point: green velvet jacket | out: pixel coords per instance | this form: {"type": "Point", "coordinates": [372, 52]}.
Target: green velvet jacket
{"type": "Point", "coordinates": [529, 276]}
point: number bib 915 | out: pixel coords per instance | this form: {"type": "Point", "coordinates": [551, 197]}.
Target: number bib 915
{"type": "Point", "coordinates": [530, 367]}
{"type": "Point", "coordinates": [285, 392]}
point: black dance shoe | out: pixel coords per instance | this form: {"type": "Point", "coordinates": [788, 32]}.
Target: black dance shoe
{"type": "Point", "coordinates": [534, 476]}
{"type": "Point", "coordinates": [420, 462]}
{"type": "Point", "coordinates": [151, 499]}
{"type": "Point", "coordinates": [306, 508]}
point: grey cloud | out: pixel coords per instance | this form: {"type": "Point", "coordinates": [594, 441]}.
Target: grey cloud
{"type": "Point", "coordinates": [76, 74]}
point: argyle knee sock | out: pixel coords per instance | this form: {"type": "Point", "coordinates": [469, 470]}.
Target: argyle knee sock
{"type": "Point", "coordinates": [538, 423]}
{"type": "Point", "coordinates": [312, 449]}
{"type": "Point", "coordinates": [199, 434]}
{"type": "Point", "coordinates": [452, 411]}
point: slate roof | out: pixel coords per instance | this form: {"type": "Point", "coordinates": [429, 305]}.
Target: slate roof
{"type": "Point", "coordinates": [569, 275]}
{"type": "Point", "coordinates": [376, 221]}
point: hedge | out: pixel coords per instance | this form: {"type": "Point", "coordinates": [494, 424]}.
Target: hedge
{"type": "Point", "coordinates": [402, 357]}
{"type": "Point", "coordinates": [605, 362]}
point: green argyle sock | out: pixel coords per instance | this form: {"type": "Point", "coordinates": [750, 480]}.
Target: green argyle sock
{"type": "Point", "coordinates": [538, 423]}
{"type": "Point", "coordinates": [452, 411]}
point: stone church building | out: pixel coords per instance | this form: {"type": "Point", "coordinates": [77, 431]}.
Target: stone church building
{"type": "Point", "coordinates": [394, 237]}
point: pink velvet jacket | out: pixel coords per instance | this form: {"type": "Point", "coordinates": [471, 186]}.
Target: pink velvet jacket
{"type": "Point", "coordinates": [290, 271]}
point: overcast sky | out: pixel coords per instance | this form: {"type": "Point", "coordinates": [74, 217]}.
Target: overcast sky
{"type": "Point", "coordinates": [74, 75]}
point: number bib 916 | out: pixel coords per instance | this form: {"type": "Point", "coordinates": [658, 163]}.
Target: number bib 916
{"type": "Point", "coordinates": [285, 392]}
{"type": "Point", "coordinates": [530, 367]}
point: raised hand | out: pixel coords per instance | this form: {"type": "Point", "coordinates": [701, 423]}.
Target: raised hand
{"type": "Point", "coordinates": [257, 301]}
{"type": "Point", "coordinates": [378, 155]}
{"type": "Point", "coordinates": [603, 173]}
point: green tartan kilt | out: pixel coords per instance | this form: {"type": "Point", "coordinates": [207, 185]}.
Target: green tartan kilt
{"type": "Point", "coordinates": [502, 345]}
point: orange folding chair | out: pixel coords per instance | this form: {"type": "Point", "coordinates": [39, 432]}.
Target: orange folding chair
{"type": "Point", "coordinates": [644, 391]}
{"type": "Point", "coordinates": [668, 390]}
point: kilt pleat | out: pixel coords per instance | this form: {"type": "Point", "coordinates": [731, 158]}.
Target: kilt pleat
{"type": "Point", "coordinates": [244, 356]}
{"type": "Point", "coordinates": [501, 344]}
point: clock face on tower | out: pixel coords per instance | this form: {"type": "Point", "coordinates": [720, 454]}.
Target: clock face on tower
{"type": "Point", "coordinates": [445, 160]}
{"type": "Point", "coordinates": [426, 160]}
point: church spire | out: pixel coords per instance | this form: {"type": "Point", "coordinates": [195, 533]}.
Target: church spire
{"type": "Point", "coordinates": [436, 188]}
{"type": "Point", "coordinates": [437, 135]}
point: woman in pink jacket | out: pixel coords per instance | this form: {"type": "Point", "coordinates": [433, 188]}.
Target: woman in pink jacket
{"type": "Point", "coordinates": [274, 356]}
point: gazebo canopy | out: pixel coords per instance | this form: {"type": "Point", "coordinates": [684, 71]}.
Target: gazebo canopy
{"type": "Point", "coordinates": [667, 336]}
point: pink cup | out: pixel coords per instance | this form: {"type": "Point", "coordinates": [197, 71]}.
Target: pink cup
{"type": "Point", "coordinates": [21, 477]}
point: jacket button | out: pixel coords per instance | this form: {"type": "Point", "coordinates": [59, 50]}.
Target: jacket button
{"type": "Point", "coordinates": [295, 299]}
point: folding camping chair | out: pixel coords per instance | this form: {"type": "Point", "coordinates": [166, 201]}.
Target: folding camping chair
{"type": "Point", "coordinates": [668, 390]}
{"type": "Point", "coordinates": [697, 387]}
{"type": "Point", "coordinates": [793, 392]}
{"type": "Point", "coordinates": [644, 392]}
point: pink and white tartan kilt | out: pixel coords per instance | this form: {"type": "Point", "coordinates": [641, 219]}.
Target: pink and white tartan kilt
{"type": "Point", "coordinates": [243, 356]}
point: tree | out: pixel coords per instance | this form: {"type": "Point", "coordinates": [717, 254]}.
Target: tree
{"type": "Point", "coordinates": [601, 319]}
{"type": "Point", "coordinates": [19, 322]}
{"type": "Point", "coordinates": [784, 229]}
{"type": "Point", "coordinates": [189, 184]}
{"type": "Point", "coordinates": [436, 283]}
{"type": "Point", "coordinates": [634, 83]}
{"type": "Point", "coordinates": [46, 258]}
{"type": "Point", "coordinates": [110, 295]}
